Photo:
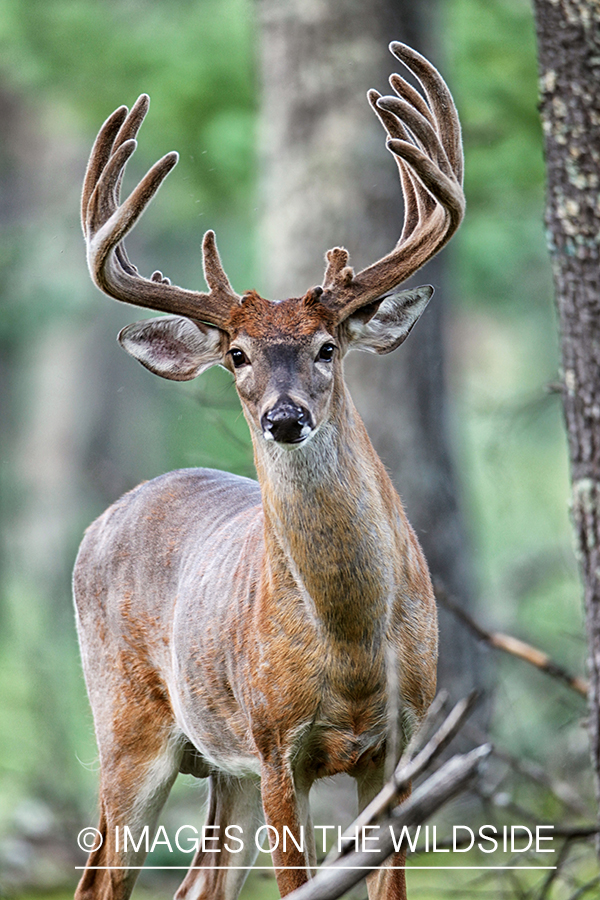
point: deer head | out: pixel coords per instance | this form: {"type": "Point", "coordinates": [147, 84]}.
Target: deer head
{"type": "Point", "coordinates": [285, 356]}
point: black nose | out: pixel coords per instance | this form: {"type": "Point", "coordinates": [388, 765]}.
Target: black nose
{"type": "Point", "coordinates": [286, 422]}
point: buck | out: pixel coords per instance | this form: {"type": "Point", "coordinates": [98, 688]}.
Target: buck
{"type": "Point", "coordinates": [242, 631]}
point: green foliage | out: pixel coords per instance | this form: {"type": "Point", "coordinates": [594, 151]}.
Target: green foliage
{"type": "Point", "coordinates": [493, 50]}
{"type": "Point", "coordinates": [194, 57]}
{"type": "Point", "coordinates": [490, 46]}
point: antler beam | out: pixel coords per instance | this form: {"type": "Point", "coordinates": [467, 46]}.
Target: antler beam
{"type": "Point", "coordinates": [106, 221]}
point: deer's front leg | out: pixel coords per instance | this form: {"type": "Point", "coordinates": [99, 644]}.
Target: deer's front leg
{"type": "Point", "coordinates": [389, 882]}
{"type": "Point", "coordinates": [285, 805]}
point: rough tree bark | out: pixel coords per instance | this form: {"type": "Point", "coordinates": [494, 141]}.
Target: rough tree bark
{"type": "Point", "coordinates": [328, 180]}
{"type": "Point", "coordinates": [569, 61]}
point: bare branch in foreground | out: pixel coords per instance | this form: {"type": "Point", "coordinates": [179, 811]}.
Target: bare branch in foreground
{"type": "Point", "coordinates": [513, 646]}
{"type": "Point", "coordinates": [449, 780]}
{"type": "Point", "coordinates": [556, 872]}
{"type": "Point", "coordinates": [431, 721]}
{"type": "Point", "coordinates": [410, 767]}
{"type": "Point", "coordinates": [576, 832]}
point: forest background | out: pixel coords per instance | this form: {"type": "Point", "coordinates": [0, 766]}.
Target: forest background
{"type": "Point", "coordinates": [81, 422]}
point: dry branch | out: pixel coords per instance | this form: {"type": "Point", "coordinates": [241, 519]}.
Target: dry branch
{"type": "Point", "coordinates": [513, 646]}
{"type": "Point", "coordinates": [449, 780]}
{"type": "Point", "coordinates": [576, 832]}
{"type": "Point", "coordinates": [412, 764]}
{"type": "Point", "coordinates": [570, 833]}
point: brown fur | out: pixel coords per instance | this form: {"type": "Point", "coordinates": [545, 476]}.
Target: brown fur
{"type": "Point", "coordinates": [262, 319]}
{"type": "Point", "coordinates": [254, 630]}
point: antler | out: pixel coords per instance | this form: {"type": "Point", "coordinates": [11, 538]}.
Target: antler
{"type": "Point", "coordinates": [424, 136]}
{"type": "Point", "coordinates": [105, 224]}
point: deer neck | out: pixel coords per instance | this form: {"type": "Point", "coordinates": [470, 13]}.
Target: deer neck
{"type": "Point", "coordinates": [333, 524]}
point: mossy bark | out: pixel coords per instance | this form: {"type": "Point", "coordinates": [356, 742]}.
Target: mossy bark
{"type": "Point", "coordinates": [569, 62]}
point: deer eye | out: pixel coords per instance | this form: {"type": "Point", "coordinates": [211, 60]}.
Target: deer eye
{"type": "Point", "coordinates": [326, 352]}
{"type": "Point", "coordinates": [238, 358]}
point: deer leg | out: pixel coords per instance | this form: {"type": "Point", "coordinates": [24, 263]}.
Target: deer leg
{"type": "Point", "coordinates": [233, 802]}
{"type": "Point", "coordinates": [385, 883]}
{"type": "Point", "coordinates": [311, 845]}
{"type": "Point", "coordinates": [139, 760]}
{"type": "Point", "coordinates": [129, 801]}
{"type": "Point", "coordinates": [286, 809]}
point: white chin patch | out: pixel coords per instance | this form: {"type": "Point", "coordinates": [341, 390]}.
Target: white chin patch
{"type": "Point", "coordinates": [305, 433]}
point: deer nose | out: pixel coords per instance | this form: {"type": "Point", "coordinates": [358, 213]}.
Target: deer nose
{"type": "Point", "coordinates": [286, 422]}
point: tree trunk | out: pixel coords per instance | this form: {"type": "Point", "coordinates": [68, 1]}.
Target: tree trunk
{"type": "Point", "coordinates": [569, 60]}
{"type": "Point", "coordinates": [328, 180]}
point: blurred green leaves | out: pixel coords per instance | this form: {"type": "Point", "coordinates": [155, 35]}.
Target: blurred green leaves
{"type": "Point", "coordinates": [490, 45]}
{"type": "Point", "coordinates": [194, 57]}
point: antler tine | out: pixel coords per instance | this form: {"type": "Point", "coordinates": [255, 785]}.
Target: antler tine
{"type": "Point", "coordinates": [99, 157]}
{"type": "Point", "coordinates": [424, 137]}
{"type": "Point", "coordinates": [407, 92]}
{"type": "Point", "coordinates": [423, 134]}
{"type": "Point", "coordinates": [417, 203]}
{"type": "Point", "coordinates": [440, 100]}
{"type": "Point", "coordinates": [106, 222]}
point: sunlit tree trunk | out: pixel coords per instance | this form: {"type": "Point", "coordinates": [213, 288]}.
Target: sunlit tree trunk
{"type": "Point", "coordinates": [569, 60]}
{"type": "Point", "coordinates": [328, 180]}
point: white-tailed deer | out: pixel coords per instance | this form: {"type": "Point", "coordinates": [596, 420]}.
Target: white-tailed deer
{"type": "Point", "coordinates": [240, 630]}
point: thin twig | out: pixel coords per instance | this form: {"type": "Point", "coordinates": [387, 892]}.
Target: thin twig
{"type": "Point", "coordinates": [512, 645]}
{"type": "Point", "coordinates": [553, 874]}
{"type": "Point", "coordinates": [576, 832]}
{"type": "Point", "coordinates": [431, 721]}
{"type": "Point", "coordinates": [410, 769]}
{"type": "Point", "coordinates": [533, 770]}
{"type": "Point", "coordinates": [570, 833]}
{"type": "Point", "coordinates": [585, 888]}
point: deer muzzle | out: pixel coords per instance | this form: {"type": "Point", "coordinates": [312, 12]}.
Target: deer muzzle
{"type": "Point", "coordinates": [286, 422]}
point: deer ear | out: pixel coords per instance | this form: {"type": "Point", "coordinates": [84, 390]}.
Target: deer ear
{"type": "Point", "coordinates": [391, 324]}
{"type": "Point", "coordinates": [173, 347]}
